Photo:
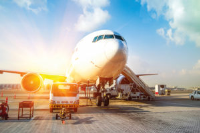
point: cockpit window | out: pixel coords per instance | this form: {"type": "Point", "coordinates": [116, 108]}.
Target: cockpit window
{"type": "Point", "coordinates": [95, 39]}
{"type": "Point", "coordinates": [108, 36]}
{"type": "Point", "coordinates": [119, 37]}
{"type": "Point", "coordinates": [100, 37]}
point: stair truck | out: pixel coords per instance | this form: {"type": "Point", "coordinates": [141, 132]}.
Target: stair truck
{"type": "Point", "coordinates": [64, 95]}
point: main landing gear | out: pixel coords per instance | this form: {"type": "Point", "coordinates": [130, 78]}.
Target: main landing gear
{"type": "Point", "coordinates": [102, 97]}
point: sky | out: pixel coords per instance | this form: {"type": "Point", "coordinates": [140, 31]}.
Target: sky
{"type": "Point", "coordinates": [162, 36]}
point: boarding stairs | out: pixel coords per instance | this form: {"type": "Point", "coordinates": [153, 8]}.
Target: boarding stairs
{"type": "Point", "coordinates": [131, 76]}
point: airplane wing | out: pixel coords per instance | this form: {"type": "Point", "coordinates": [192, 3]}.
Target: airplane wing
{"type": "Point", "coordinates": [138, 75]}
{"type": "Point", "coordinates": [44, 76]}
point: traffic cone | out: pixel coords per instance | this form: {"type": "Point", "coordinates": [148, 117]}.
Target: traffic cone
{"type": "Point", "coordinates": [15, 96]}
{"type": "Point", "coordinates": [1, 94]}
{"type": "Point", "coordinates": [6, 99]}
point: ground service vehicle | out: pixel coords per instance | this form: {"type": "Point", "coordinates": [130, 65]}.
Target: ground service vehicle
{"type": "Point", "coordinates": [168, 91]}
{"type": "Point", "coordinates": [63, 114]}
{"type": "Point", "coordinates": [195, 95]}
{"type": "Point", "coordinates": [64, 95]}
{"type": "Point", "coordinates": [160, 89]}
{"type": "Point", "coordinates": [111, 92]}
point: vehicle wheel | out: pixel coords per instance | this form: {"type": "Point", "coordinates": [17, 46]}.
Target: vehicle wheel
{"type": "Point", "coordinates": [6, 117]}
{"type": "Point", "coordinates": [106, 101]}
{"type": "Point", "coordinates": [51, 110]}
{"type": "Point", "coordinates": [192, 98]}
{"type": "Point", "coordinates": [98, 101]}
{"type": "Point", "coordinates": [56, 116]}
{"type": "Point", "coordinates": [75, 109]}
{"type": "Point", "coordinates": [129, 98]}
{"type": "Point", "coordinates": [149, 98]}
{"type": "Point", "coordinates": [70, 116]}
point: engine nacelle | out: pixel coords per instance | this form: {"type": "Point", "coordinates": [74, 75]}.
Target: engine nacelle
{"type": "Point", "coordinates": [32, 82]}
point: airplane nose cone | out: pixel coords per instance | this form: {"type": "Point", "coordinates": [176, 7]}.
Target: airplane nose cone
{"type": "Point", "coordinates": [116, 51]}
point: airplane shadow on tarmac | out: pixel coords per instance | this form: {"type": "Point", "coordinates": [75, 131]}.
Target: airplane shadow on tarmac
{"type": "Point", "coordinates": [86, 120]}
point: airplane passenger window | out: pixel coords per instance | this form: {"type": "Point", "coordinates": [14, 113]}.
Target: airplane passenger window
{"type": "Point", "coordinates": [95, 39]}
{"type": "Point", "coordinates": [100, 37]}
{"type": "Point", "coordinates": [119, 37]}
{"type": "Point", "coordinates": [108, 36]}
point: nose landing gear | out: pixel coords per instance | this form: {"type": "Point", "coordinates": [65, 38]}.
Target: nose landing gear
{"type": "Point", "coordinates": [102, 97]}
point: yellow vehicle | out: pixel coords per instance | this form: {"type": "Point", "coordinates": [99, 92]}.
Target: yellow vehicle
{"type": "Point", "coordinates": [167, 91]}
{"type": "Point", "coordinates": [64, 95]}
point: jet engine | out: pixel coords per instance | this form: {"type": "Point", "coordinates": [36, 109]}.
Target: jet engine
{"type": "Point", "coordinates": [32, 82]}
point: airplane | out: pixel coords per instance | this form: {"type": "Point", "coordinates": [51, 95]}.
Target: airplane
{"type": "Point", "coordinates": [98, 58]}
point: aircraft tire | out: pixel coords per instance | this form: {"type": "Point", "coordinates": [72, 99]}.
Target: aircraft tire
{"type": "Point", "coordinates": [98, 101]}
{"type": "Point", "coordinates": [106, 101]}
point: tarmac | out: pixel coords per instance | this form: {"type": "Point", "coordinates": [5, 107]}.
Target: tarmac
{"type": "Point", "coordinates": [175, 113]}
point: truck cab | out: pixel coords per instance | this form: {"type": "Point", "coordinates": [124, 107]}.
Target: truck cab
{"type": "Point", "coordinates": [64, 95]}
{"type": "Point", "coordinates": [195, 95]}
{"type": "Point", "coordinates": [111, 92]}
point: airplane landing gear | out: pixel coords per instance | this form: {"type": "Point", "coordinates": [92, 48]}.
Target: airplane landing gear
{"type": "Point", "coordinates": [101, 95]}
{"type": "Point", "coordinates": [105, 101]}
{"type": "Point", "coordinates": [98, 101]}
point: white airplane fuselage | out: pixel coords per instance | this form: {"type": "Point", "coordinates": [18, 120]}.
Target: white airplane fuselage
{"type": "Point", "coordinates": [103, 58]}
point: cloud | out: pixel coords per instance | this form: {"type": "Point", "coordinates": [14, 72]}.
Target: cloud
{"type": "Point", "coordinates": [93, 15]}
{"type": "Point", "coordinates": [138, 65]}
{"type": "Point", "coordinates": [161, 32]}
{"type": "Point", "coordinates": [196, 69]}
{"type": "Point", "coordinates": [183, 72]}
{"type": "Point", "coordinates": [156, 5]}
{"type": "Point", "coordinates": [193, 71]}
{"type": "Point", "coordinates": [182, 15]}
{"type": "Point", "coordinates": [35, 6]}
{"type": "Point", "coordinates": [197, 65]}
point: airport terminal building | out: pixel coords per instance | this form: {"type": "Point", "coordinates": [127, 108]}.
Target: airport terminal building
{"type": "Point", "coordinates": [10, 86]}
